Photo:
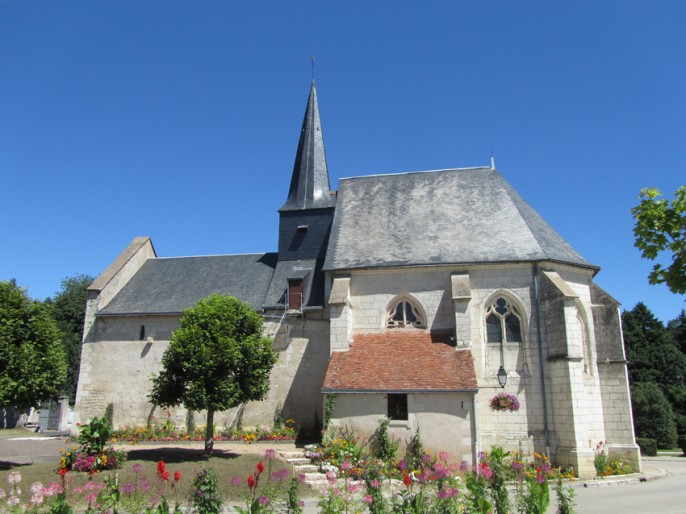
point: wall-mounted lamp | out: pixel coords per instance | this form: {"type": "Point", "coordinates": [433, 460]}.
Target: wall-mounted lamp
{"type": "Point", "coordinates": [502, 377]}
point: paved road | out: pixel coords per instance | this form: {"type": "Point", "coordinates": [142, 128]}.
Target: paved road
{"type": "Point", "coordinates": [665, 495]}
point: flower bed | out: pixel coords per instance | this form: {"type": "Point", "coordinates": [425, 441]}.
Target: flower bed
{"type": "Point", "coordinates": [167, 432]}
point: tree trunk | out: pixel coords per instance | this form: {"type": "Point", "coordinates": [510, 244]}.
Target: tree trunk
{"type": "Point", "coordinates": [209, 432]}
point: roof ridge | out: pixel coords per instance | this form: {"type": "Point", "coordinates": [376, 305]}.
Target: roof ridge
{"type": "Point", "coordinates": [399, 173]}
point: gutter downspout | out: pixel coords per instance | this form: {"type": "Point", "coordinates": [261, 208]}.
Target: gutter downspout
{"type": "Point", "coordinates": [537, 307]}
{"type": "Point", "coordinates": [476, 450]}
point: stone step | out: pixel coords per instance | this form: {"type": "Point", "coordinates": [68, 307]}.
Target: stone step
{"type": "Point", "coordinates": [292, 455]}
{"type": "Point", "coordinates": [306, 468]}
{"type": "Point", "coordinates": [297, 461]}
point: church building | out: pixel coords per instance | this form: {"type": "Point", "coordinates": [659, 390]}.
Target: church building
{"type": "Point", "coordinates": [418, 296]}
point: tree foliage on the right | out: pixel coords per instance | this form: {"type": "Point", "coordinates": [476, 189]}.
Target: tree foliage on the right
{"type": "Point", "coordinates": [660, 229]}
{"type": "Point", "coordinates": [656, 359]}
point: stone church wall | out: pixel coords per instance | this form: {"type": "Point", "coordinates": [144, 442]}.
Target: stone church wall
{"type": "Point", "coordinates": [443, 419]}
{"type": "Point", "coordinates": [296, 380]}
{"type": "Point", "coordinates": [116, 367]}
{"type": "Point", "coordinates": [116, 352]}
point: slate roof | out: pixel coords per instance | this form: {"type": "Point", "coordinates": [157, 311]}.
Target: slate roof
{"type": "Point", "coordinates": [400, 360]}
{"type": "Point", "coordinates": [168, 286]}
{"type": "Point", "coordinates": [455, 216]}
{"type": "Point", "coordinates": [313, 283]}
{"type": "Point", "coordinates": [310, 180]}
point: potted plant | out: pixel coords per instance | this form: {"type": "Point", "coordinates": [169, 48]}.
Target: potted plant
{"type": "Point", "coordinates": [505, 402]}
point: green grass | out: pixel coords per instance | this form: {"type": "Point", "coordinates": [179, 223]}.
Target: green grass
{"type": "Point", "coordinates": [188, 462]}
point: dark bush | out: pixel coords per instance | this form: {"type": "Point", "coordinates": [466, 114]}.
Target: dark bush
{"type": "Point", "coordinates": [648, 446]}
{"type": "Point", "coordinates": [681, 442]}
{"type": "Point", "coordinates": [653, 415]}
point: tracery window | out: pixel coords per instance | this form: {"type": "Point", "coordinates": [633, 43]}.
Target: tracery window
{"type": "Point", "coordinates": [503, 322]}
{"type": "Point", "coordinates": [404, 313]}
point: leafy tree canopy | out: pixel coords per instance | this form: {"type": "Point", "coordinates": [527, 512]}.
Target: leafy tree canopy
{"type": "Point", "coordinates": [68, 308]}
{"type": "Point", "coordinates": [661, 228]}
{"type": "Point", "coordinates": [32, 361]}
{"type": "Point", "coordinates": [677, 331]}
{"type": "Point", "coordinates": [655, 358]}
{"type": "Point", "coordinates": [216, 360]}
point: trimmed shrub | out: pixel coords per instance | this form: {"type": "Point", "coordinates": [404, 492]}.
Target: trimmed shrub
{"type": "Point", "coordinates": [648, 446]}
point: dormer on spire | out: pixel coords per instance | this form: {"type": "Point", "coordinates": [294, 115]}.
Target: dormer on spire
{"type": "Point", "coordinates": [310, 181]}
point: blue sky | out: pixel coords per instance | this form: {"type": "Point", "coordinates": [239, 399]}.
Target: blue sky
{"type": "Point", "coordinates": [179, 120]}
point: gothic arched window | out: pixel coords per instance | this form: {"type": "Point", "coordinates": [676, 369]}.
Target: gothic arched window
{"type": "Point", "coordinates": [405, 313]}
{"type": "Point", "coordinates": [503, 322]}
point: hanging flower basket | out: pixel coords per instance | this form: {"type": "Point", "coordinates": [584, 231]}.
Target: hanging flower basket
{"type": "Point", "coordinates": [504, 401]}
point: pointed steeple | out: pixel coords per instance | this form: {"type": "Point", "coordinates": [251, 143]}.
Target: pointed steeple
{"type": "Point", "coordinates": [310, 180]}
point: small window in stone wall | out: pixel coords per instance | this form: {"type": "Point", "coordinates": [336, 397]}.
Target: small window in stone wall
{"type": "Point", "coordinates": [397, 406]}
{"type": "Point", "coordinates": [141, 335]}
{"type": "Point", "coordinates": [503, 322]}
{"type": "Point", "coordinates": [405, 313]}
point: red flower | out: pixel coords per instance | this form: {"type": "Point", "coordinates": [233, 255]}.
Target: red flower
{"type": "Point", "coordinates": [62, 471]}
{"type": "Point", "coordinates": [161, 468]}
{"type": "Point", "coordinates": [177, 476]}
{"type": "Point", "coordinates": [407, 479]}
{"type": "Point", "coordinates": [251, 481]}
{"type": "Point", "coordinates": [165, 475]}
{"type": "Point", "coordinates": [260, 467]}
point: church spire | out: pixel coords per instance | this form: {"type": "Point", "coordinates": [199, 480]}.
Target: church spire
{"type": "Point", "coordinates": [310, 181]}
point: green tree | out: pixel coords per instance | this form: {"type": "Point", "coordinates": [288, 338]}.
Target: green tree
{"type": "Point", "coordinates": [661, 229]}
{"type": "Point", "coordinates": [32, 361]}
{"type": "Point", "coordinates": [653, 417]}
{"type": "Point", "coordinates": [216, 360]}
{"type": "Point", "coordinates": [677, 331]}
{"type": "Point", "coordinates": [654, 358]}
{"type": "Point", "coordinates": [69, 310]}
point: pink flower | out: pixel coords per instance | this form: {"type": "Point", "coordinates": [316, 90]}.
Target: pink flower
{"type": "Point", "coordinates": [269, 454]}
{"type": "Point", "coordinates": [279, 474]}
{"type": "Point", "coordinates": [235, 481]}
{"type": "Point", "coordinates": [136, 468]}
{"type": "Point", "coordinates": [443, 456]}
{"type": "Point", "coordinates": [345, 465]}
{"type": "Point", "coordinates": [264, 500]}
{"type": "Point", "coordinates": [375, 483]}
{"type": "Point", "coordinates": [368, 499]}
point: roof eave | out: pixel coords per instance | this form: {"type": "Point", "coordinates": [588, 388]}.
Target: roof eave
{"type": "Point", "coordinates": [589, 266]}
{"type": "Point", "coordinates": [391, 390]}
